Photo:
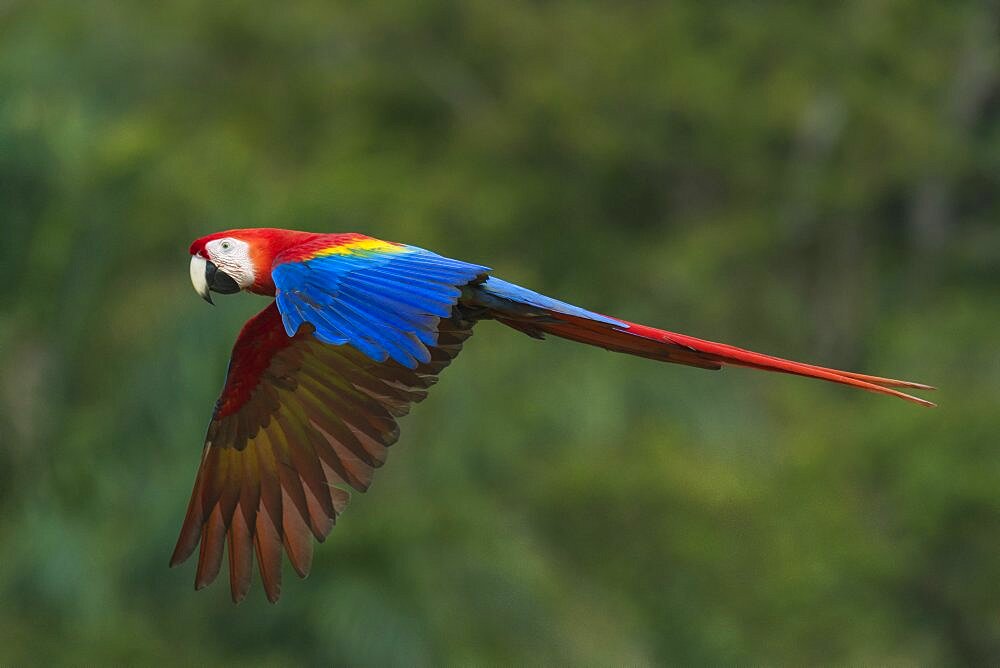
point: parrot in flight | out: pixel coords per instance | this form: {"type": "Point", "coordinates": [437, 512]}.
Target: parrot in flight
{"type": "Point", "coordinates": [359, 330]}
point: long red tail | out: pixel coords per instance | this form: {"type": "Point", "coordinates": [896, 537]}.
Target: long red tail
{"type": "Point", "coordinates": [536, 315]}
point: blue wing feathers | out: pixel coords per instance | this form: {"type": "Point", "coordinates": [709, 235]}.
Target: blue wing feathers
{"type": "Point", "coordinates": [405, 312]}
{"type": "Point", "coordinates": [389, 340]}
{"type": "Point", "coordinates": [517, 295]}
{"type": "Point", "coordinates": [391, 319]}
{"type": "Point", "coordinates": [418, 296]}
{"type": "Point", "coordinates": [387, 305]}
{"type": "Point", "coordinates": [355, 329]}
{"type": "Point", "coordinates": [376, 308]}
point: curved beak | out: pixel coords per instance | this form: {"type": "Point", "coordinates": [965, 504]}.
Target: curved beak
{"type": "Point", "coordinates": [206, 277]}
{"type": "Point", "coordinates": [199, 277]}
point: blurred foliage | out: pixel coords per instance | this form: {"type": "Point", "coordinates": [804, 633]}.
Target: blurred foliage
{"type": "Point", "coordinates": [817, 180]}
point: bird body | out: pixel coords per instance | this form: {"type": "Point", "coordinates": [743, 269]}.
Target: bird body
{"type": "Point", "coordinates": [358, 331]}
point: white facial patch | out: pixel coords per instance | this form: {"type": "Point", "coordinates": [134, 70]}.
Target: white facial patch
{"type": "Point", "coordinates": [232, 256]}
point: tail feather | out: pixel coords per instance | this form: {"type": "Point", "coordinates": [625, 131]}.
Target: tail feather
{"type": "Point", "coordinates": [537, 315]}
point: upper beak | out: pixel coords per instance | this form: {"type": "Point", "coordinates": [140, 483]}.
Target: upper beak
{"type": "Point", "coordinates": [199, 277]}
{"type": "Point", "coordinates": [205, 276]}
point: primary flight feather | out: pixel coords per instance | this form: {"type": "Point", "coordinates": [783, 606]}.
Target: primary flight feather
{"type": "Point", "coordinates": [358, 331]}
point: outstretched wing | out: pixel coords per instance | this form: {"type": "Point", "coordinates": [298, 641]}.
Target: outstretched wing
{"type": "Point", "coordinates": [383, 298]}
{"type": "Point", "coordinates": [296, 417]}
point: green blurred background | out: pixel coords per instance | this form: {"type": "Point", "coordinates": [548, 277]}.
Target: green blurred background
{"type": "Point", "coordinates": [816, 180]}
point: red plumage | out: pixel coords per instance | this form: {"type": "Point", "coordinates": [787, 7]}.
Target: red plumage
{"type": "Point", "coordinates": [645, 341]}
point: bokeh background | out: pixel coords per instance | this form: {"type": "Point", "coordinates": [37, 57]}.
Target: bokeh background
{"type": "Point", "coordinates": [816, 180]}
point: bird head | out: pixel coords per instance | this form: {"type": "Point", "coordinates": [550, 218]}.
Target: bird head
{"type": "Point", "coordinates": [225, 262]}
{"type": "Point", "coordinates": [235, 260]}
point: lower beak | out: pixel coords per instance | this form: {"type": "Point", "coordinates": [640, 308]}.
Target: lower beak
{"type": "Point", "coordinates": [206, 277]}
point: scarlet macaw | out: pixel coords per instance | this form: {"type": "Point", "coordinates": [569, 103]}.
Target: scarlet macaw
{"type": "Point", "coordinates": [359, 329]}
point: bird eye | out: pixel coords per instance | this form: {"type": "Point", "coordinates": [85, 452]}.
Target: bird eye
{"type": "Point", "coordinates": [226, 245]}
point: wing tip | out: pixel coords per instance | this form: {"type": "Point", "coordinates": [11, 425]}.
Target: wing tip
{"type": "Point", "coordinates": [182, 551]}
